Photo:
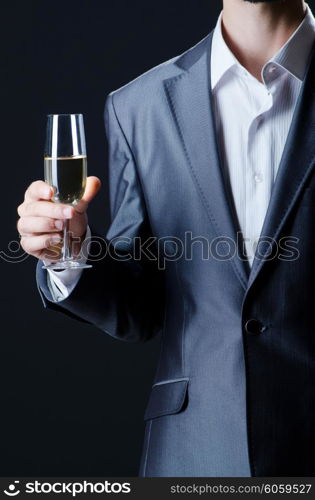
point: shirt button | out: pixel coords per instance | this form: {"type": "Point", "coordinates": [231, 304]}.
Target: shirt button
{"type": "Point", "coordinates": [258, 177]}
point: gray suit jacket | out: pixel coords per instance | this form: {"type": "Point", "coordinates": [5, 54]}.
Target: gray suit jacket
{"type": "Point", "coordinates": [234, 389]}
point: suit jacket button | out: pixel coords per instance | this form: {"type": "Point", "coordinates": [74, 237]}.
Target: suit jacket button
{"type": "Point", "coordinates": [254, 327]}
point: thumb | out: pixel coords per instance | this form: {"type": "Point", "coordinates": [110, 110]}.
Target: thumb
{"type": "Point", "coordinates": [92, 187]}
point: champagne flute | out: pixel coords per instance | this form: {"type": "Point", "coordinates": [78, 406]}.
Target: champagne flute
{"type": "Point", "coordinates": [65, 164]}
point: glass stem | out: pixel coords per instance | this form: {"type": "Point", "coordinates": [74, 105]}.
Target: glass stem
{"type": "Point", "coordinates": [66, 247]}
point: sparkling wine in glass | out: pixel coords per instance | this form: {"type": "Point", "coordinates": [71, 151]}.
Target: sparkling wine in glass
{"type": "Point", "coordinates": [65, 165]}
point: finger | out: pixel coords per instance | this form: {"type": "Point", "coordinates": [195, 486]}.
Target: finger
{"type": "Point", "coordinates": [33, 244]}
{"type": "Point", "coordinates": [93, 185]}
{"type": "Point", "coordinates": [45, 209]}
{"type": "Point", "coordinates": [50, 254]}
{"type": "Point", "coordinates": [38, 190]}
{"type": "Point", "coordinates": [30, 224]}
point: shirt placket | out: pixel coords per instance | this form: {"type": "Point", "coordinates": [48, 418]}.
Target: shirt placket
{"type": "Point", "coordinates": [257, 173]}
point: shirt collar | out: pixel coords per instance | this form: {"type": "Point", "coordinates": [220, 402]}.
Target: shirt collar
{"type": "Point", "coordinates": [292, 56]}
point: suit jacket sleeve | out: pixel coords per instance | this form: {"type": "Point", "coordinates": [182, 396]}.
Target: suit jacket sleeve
{"type": "Point", "coordinates": [122, 295]}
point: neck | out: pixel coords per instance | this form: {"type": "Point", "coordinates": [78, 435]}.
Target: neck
{"type": "Point", "coordinates": [256, 31]}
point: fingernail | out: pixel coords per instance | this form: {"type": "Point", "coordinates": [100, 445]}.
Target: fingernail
{"type": "Point", "coordinates": [55, 239]}
{"type": "Point", "coordinates": [59, 224]}
{"type": "Point", "coordinates": [67, 212]}
{"type": "Point", "coordinates": [48, 193]}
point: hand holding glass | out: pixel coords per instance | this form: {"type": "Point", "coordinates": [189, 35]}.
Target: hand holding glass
{"type": "Point", "coordinates": [65, 164]}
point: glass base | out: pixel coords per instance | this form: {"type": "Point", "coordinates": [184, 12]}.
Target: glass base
{"type": "Point", "coordinates": [62, 265]}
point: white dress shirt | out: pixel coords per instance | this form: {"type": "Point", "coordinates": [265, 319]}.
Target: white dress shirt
{"type": "Point", "coordinates": [252, 122]}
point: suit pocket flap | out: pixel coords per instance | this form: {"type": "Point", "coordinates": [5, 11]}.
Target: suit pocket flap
{"type": "Point", "coordinates": [166, 398]}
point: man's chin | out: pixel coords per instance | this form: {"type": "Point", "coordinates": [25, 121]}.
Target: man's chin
{"type": "Point", "coordinates": [262, 1]}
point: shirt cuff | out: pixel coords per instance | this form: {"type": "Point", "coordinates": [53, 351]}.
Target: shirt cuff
{"type": "Point", "coordinates": [62, 283]}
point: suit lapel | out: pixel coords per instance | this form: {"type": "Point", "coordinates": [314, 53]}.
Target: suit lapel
{"type": "Point", "coordinates": [190, 101]}
{"type": "Point", "coordinates": [295, 167]}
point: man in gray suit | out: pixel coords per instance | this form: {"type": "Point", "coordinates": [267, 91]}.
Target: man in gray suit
{"type": "Point", "coordinates": [211, 158]}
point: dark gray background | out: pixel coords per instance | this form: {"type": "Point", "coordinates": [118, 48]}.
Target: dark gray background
{"type": "Point", "coordinates": [72, 398]}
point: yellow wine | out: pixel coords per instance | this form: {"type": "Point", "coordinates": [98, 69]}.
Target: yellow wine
{"type": "Point", "coordinates": [67, 176]}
